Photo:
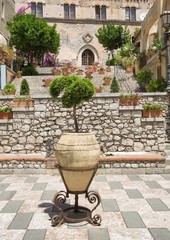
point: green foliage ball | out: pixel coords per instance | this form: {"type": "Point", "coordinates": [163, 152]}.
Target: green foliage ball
{"type": "Point", "coordinates": [73, 88]}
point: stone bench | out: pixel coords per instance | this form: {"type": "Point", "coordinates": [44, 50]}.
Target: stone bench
{"type": "Point", "coordinates": [116, 160]}
{"type": "Point", "coordinates": [132, 160]}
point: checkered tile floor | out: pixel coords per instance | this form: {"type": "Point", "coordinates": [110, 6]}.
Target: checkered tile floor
{"type": "Point", "coordinates": [133, 207]}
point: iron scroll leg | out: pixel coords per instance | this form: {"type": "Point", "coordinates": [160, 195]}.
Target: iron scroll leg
{"type": "Point", "coordinates": [67, 215]}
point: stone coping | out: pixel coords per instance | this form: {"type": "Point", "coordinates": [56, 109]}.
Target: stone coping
{"type": "Point", "coordinates": [133, 158]}
{"type": "Point", "coordinates": [102, 95]}
{"type": "Point", "coordinates": [141, 157]}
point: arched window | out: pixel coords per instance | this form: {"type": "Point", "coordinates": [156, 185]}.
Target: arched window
{"type": "Point", "coordinates": [87, 57]}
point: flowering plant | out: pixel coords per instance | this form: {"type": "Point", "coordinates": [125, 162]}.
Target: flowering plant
{"type": "Point", "coordinates": [47, 79]}
{"type": "Point", "coordinates": [22, 10]}
{"type": "Point", "coordinates": [130, 95]}
{"type": "Point", "coordinates": [57, 69]}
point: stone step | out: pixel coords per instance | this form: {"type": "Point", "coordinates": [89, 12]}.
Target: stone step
{"type": "Point", "coordinates": [167, 152]}
{"type": "Point", "coordinates": [167, 146]}
{"type": "Point", "coordinates": [36, 84]}
{"type": "Point", "coordinates": [167, 162]}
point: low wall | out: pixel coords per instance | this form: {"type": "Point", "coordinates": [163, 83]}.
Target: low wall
{"type": "Point", "coordinates": [118, 129]}
{"type": "Point", "coordinates": [120, 163]}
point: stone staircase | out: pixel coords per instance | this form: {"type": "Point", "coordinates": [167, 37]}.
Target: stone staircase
{"type": "Point", "coordinates": [37, 88]}
{"type": "Point", "coordinates": [35, 84]}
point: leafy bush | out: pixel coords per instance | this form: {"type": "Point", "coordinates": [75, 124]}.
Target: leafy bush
{"type": "Point", "coordinates": [6, 109]}
{"type": "Point", "coordinates": [111, 62]}
{"type": "Point", "coordinates": [9, 89]}
{"type": "Point", "coordinates": [74, 91]}
{"type": "Point", "coordinates": [29, 71]}
{"type": "Point", "coordinates": [158, 85]}
{"type": "Point", "coordinates": [143, 78]}
{"type": "Point", "coordinates": [149, 106]}
{"type": "Point", "coordinates": [24, 89]}
{"type": "Point", "coordinates": [114, 87]}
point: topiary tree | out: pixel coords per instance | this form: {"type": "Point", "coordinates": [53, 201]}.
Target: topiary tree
{"type": "Point", "coordinates": [114, 87]}
{"type": "Point", "coordinates": [74, 91]}
{"type": "Point", "coordinates": [24, 89]}
{"type": "Point", "coordinates": [110, 36]}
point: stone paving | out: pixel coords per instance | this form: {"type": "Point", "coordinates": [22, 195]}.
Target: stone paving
{"type": "Point", "coordinates": [133, 207]}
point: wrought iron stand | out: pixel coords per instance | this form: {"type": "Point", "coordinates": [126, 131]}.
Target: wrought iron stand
{"type": "Point", "coordinates": [76, 213]}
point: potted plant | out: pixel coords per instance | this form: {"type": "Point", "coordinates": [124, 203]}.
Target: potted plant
{"type": "Point", "coordinates": [75, 151]}
{"type": "Point", "coordinates": [131, 99]}
{"type": "Point", "coordinates": [108, 69]}
{"type": "Point", "coordinates": [24, 100]}
{"type": "Point", "coordinates": [19, 74]}
{"type": "Point", "coordinates": [98, 89]}
{"type": "Point", "coordinates": [79, 71]}
{"type": "Point", "coordinates": [47, 81]}
{"type": "Point", "coordinates": [9, 89]}
{"type": "Point", "coordinates": [56, 71]}
{"type": "Point", "coordinates": [101, 70]}
{"type": "Point", "coordinates": [6, 112]}
{"type": "Point", "coordinates": [95, 64]}
{"type": "Point", "coordinates": [65, 71]}
{"type": "Point", "coordinates": [152, 110]}
{"type": "Point", "coordinates": [107, 80]}
{"type": "Point", "coordinates": [88, 73]}
{"type": "Point", "coordinates": [128, 62]}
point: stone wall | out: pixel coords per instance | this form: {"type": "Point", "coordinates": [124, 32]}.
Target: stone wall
{"type": "Point", "coordinates": [118, 129]}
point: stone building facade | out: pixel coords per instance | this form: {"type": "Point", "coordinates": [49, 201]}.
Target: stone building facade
{"type": "Point", "coordinates": [151, 27]}
{"type": "Point", "coordinates": [77, 21]}
{"type": "Point", "coordinates": [7, 10]}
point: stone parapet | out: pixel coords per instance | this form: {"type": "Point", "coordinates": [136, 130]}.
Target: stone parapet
{"type": "Point", "coordinates": [118, 129]}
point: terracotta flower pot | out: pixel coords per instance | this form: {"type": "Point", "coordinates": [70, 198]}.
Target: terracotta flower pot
{"type": "Point", "coordinates": [152, 113]}
{"type": "Point", "coordinates": [129, 101]}
{"type": "Point", "coordinates": [108, 69]}
{"type": "Point", "coordinates": [6, 115]}
{"type": "Point", "coordinates": [107, 81]}
{"type": "Point", "coordinates": [98, 90]}
{"type": "Point", "coordinates": [23, 102]}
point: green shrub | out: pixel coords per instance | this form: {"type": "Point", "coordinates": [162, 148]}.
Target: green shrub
{"type": "Point", "coordinates": [74, 91]}
{"type": "Point", "coordinates": [6, 109]}
{"type": "Point", "coordinates": [158, 85]}
{"type": "Point", "coordinates": [9, 89]}
{"type": "Point", "coordinates": [29, 71]}
{"type": "Point", "coordinates": [111, 62]}
{"type": "Point", "coordinates": [114, 87]}
{"type": "Point", "coordinates": [152, 107]}
{"type": "Point", "coordinates": [143, 78]}
{"type": "Point", "coordinates": [24, 89]}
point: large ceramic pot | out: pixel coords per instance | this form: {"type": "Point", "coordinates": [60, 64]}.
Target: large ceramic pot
{"type": "Point", "coordinates": [78, 155]}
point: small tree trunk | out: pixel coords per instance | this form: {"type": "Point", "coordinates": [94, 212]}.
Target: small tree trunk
{"type": "Point", "coordinates": [75, 119]}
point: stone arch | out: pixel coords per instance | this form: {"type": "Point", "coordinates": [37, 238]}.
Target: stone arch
{"type": "Point", "coordinates": [83, 49]}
